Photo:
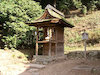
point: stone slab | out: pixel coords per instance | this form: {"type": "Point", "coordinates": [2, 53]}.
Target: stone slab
{"type": "Point", "coordinates": [37, 66]}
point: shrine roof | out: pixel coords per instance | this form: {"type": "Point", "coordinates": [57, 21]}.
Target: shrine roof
{"type": "Point", "coordinates": [51, 16]}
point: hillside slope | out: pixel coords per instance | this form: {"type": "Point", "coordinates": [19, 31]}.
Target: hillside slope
{"type": "Point", "coordinates": [91, 23]}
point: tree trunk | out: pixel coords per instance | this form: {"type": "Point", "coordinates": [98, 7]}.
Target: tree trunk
{"type": "Point", "coordinates": [55, 3]}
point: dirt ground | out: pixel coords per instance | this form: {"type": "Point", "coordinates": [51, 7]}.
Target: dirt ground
{"type": "Point", "coordinates": [72, 67]}
{"type": "Point", "coordinates": [9, 65]}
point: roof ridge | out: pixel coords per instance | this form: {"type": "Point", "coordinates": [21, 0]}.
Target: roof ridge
{"type": "Point", "coordinates": [54, 9]}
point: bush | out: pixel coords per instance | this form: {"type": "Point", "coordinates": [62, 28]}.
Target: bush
{"type": "Point", "coordinates": [64, 5]}
{"type": "Point", "coordinates": [92, 5]}
{"type": "Point", "coordinates": [13, 15]}
{"type": "Point", "coordinates": [77, 4]}
{"type": "Point", "coordinates": [98, 4]}
{"type": "Point", "coordinates": [84, 10]}
{"type": "Point", "coordinates": [69, 4]}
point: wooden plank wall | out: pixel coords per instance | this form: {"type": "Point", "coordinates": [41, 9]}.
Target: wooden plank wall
{"type": "Point", "coordinates": [57, 48]}
{"type": "Point", "coordinates": [60, 41]}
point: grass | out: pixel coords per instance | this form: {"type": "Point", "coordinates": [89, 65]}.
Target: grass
{"type": "Point", "coordinates": [74, 49]}
{"type": "Point", "coordinates": [73, 37]}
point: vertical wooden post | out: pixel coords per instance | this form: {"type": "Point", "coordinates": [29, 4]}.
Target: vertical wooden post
{"type": "Point", "coordinates": [85, 49]}
{"type": "Point", "coordinates": [37, 42]}
{"type": "Point", "coordinates": [63, 42]}
{"type": "Point", "coordinates": [49, 48]}
{"type": "Point", "coordinates": [85, 37]}
{"type": "Point", "coordinates": [50, 31]}
{"type": "Point", "coordinates": [56, 41]}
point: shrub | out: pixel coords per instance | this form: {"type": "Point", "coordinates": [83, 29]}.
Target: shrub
{"type": "Point", "coordinates": [84, 10]}
{"type": "Point", "coordinates": [77, 4]}
{"type": "Point", "coordinates": [69, 4]}
{"type": "Point", "coordinates": [92, 5]}
{"type": "Point", "coordinates": [98, 4]}
{"type": "Point", "coordinates": [13, 15]}
{"type": "Point", "coordinates": [64, 6]}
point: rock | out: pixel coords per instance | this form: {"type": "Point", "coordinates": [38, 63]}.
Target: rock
{"type": "Point", "coordinates": [93, 53]}
{"type": "Point", "coordinates": [45, 63]}
{"type": "Point", "coordinates": [33, 70]}
{"type": "Point", "coordinates": [37, 66]}
{"type": "Point", "coordinates": [29, 73]}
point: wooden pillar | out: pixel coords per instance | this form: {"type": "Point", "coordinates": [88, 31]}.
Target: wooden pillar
{"type": "Point", "coordinates": [37, 42]}
{"type": "Point", "coordinates": [85, 49]}
{"type": "Point", "coordinates": [56, 42]}
{"type": "Point", "coordinates": [50, 35]}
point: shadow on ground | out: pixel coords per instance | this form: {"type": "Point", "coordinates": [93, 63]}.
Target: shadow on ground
{"type": "Point", "coordinates": [68, 64]}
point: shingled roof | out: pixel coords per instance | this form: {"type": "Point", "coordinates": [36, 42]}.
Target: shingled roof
{"type": "Point", "coordinates": [52, 15]}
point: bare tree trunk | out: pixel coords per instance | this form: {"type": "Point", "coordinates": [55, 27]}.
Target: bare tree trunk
{"type": "Point", "coordinates": [55, 3]}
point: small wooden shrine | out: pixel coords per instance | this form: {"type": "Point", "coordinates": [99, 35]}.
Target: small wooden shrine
{"type": "Point", "coordinates": [52, 22]}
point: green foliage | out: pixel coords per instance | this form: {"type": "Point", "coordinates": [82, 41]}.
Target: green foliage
{"type": "Point", "coordinates": [72, 37]}
{"type": "Point", "coordinates": [13, 15]}
{"type": "Point", "coordinates": [84, 10]}
{"type": "Point", "coordinates": [92, 5]}
{"type": "Point", "coordinates": [75, 39]}
{"type": "Point", "coordinates": [77, 3]}
{"type": "Point", "coordinates": [98, 4]}
{"type": "Point", "coordinates": [66, 5]}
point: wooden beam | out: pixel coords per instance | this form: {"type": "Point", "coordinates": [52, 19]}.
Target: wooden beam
{"type": "Point", "coordinates": [44, 41]}
{"type": "Point", "coordinates": [37, 42]}
{"type": "Point", "coordinates": [42, 24]}
{"type": "Point", "coordinates": [50, 35]}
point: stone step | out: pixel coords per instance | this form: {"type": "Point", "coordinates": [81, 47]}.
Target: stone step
{"type": "Point", "coordinates": [36, 66]}
{"type": "Point", "coordinates": [44, 58]}
{"type": "Point", "coordinates": [29, 73]}
{"type": "Point", "coordinates": [32, 70]}
{"type": "Point", "coordinates": [86, 70]}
